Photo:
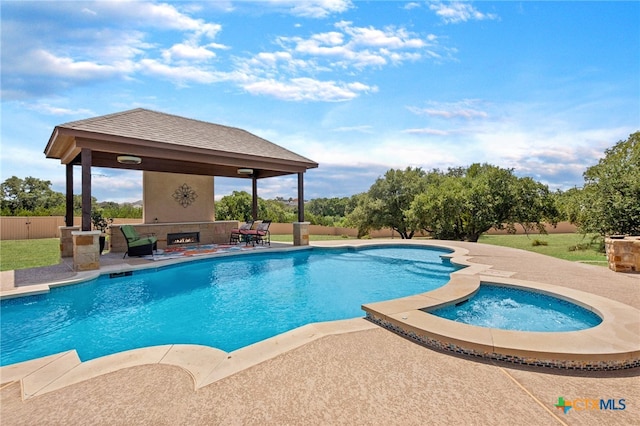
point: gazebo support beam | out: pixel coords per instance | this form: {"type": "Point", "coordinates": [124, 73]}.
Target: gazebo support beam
{"type": "Point", "coordinates": [254, 197]}
{"type": "Point", "coordinates": [68, 218]}
{"type": "Point", "coordinates": [301, 197]}
{"type": "Point", "coordinates": [86, 189]}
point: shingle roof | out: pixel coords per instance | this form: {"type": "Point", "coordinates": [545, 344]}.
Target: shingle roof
{"type": "Point", "coordinates": [148, 125]}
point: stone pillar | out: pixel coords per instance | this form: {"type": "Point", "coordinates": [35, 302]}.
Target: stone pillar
{"type": "Point", "coordinates": [301, 233]}
{"type": "Point", "coordinates": [623, 254]}
{"type": "Point", "coordinates": [66, 240]}
{"type": "Point", "coordinates": [86, 250]}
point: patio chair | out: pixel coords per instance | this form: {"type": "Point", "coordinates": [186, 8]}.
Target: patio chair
{"type": "Point", "coordinates": [259, 235]}
{"type": "Point", "coordinates": [137, 245]}
{"type": "Point", "coordinates": [236, 233]}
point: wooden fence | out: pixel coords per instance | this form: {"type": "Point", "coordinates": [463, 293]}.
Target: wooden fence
{"type": "Point", "coordinates": [32, 227]}
{"type": "Point", "coordinates": [25, 228]}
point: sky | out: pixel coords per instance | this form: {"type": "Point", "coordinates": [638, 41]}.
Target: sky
{"type": "Point", "coordinates": [359, 87]}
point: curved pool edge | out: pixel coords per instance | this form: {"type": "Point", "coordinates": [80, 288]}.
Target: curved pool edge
{"type": "Point", "coordinates": [399, 315]}
{"type": "Point", "coordinates": [204, 364]}
{"type": "Point", "coordinates": [84, 276]}
{"type": "Point", "coordinates": [614, 344]}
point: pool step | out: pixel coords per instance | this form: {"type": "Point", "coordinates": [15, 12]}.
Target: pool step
{"type": "Point", "coordinates": [37, 374]}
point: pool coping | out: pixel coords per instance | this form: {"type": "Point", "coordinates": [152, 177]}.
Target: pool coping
{"type": "Point", "coordinates": [403, 316]}
{"type": "Point", "coordinates": [611, 345]}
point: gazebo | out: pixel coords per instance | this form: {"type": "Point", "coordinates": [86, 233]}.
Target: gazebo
{"type": "Point", "coordinates": [162, 145]}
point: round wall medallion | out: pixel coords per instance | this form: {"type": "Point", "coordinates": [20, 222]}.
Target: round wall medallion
{"type": "Point", "coordinates": [185, 195]}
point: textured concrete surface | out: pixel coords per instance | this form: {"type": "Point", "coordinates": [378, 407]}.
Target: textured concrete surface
{"type": "Point", "coordinates": [365, 377]}
{"type": "Point", "coordinates": [369, 377]}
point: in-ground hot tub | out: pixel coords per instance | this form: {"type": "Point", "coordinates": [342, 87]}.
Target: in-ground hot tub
{"type": "Point", "coordinates": [613, 344]}
{"type": "Point", "coordinates": [510, 308]}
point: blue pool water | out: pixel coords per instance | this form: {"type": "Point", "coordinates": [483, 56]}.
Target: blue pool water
{"type": "Point", "coordinates": [227, 303]}
{"type": "Point", "coordinates": [514, 309]}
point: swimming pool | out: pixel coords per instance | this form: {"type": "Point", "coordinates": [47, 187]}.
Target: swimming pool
{"type": "Point", "coordinates": [516, 309]}
{"type": "Point", "coordinates": [226, 303]}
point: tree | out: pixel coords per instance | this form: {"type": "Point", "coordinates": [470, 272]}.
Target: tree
{"type": "Point", "coordinates": [112, 209]}
{"type": "Point", "coordinates": [534, 205]}
{"type": "Point", "coordinates": [609, 202]}
{"type": "Point", "coordinates": [29, 196]}
{"type": "Point", "coordinates": [388, 201]}
{"type": "Point", "coordinates": [237, 206]}
{"type": "Point", "coordinates": [440, 209]}
{"type": "Point", "coordinates": [464, 203]}
{"type": "Point", "coordinates": [327, 211]}
{"type": "Point", "coordinates": [328, 206]}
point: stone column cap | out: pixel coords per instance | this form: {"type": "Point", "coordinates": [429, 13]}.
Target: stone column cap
{"type": "Point", "coordinates": [86, 233]}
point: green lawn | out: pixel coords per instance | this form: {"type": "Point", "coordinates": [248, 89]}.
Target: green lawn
{"type": "Point", "coordinates": [21, 254]}
{"type": "Point", "coordinates": [558, 245]}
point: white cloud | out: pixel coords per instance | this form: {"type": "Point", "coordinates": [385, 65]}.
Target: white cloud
{"type": "Point", "coordinates": [164, 15]}
{"type": "Point", "coordinates": [360, 129]}
{"type": "Point", "coordinates": [411, 5]}
{"type": "Point", "coordinates": [48, 109]}
{"type": "Point", "coordinates": [89, 11]}
{"type": "Point", "coordinates": [361, 47]}
{"type": "Point", "coordinates": [427, 131]}
{"type": "Point", "coordinates": [39, 165]}
{"type": "Point", "coordinates": [463, 109]}
{"type": "Point", "coordinates": [389, 37]}
{"type": "Point", "coordinates": [181, 74]}
{"type": "Point", "coordinates": [313, 8]}
{"type": "Point", "coordinates": [456, 12]}
{"type": "Point", "coordinates": [307, 89]}
{"type": "Point", "coordinates": [104, 46]}
{"type": "Point", "coordinates": [293, 72]}
{"type": "Point", "coordinates": [68, 68]}
{"type": "Point", "coordinates": [186, 51]}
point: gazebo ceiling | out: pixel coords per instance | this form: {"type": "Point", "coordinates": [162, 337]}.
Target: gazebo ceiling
{"type": "Point", "coordinates": [169, 143]}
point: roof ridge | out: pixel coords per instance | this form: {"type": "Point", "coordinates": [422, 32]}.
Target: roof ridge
{"type": "Point", "coordinates": [130, 111]}
{"type": "Point", "coordinates": [157, 126]}
{"type": "Point", "coordinates": [221, 125]}
{"type": "Point", "coordinates": [99, 118]}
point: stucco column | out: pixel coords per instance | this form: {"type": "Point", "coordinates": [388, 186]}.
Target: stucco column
{"type": "Point", "coordinates": [301, 233]}
{"type": "Point", "coordinates": [86, 250]}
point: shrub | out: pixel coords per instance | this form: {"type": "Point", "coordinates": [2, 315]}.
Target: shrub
{"type": "Point", "coordinates": [580, 247]}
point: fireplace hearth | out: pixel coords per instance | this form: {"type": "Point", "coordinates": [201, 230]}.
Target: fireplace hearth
{"type": "Point", "coordinates": [183, 238]}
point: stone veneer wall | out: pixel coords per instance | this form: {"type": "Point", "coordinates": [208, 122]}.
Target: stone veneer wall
{"type": "Point", "coordinates": [86, 250]}
{"type": "Point", "coordinates": [623, 254]}
{"type": "Point", "coordinates": [300, 233]}
{"type": "Point", "coordinates": [66, 240]}
{"type": "Point", "coordinates": [210, 232]}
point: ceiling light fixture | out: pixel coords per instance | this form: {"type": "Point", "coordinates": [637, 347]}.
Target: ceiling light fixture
{"type": "Point", "coordinates": [129, 159]}
{"type": "Point", "coordinates": [245, 171]}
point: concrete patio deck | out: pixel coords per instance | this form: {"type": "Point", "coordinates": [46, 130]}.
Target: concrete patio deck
{"type": "Point", "coordinates": [366, 376]}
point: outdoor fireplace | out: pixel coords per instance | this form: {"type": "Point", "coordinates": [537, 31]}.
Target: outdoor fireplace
{"type": "Point", "coordinates": [183, 238]}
